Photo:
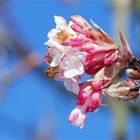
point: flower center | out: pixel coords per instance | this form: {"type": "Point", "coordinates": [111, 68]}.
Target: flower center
{"type": "Point", "coordinates": [62, 36]}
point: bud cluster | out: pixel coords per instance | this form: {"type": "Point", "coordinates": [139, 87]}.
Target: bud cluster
{"type": "Point", "coordinates": [77, 48]}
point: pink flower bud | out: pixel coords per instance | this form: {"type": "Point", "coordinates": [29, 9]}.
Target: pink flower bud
{"type": "Point", "coordinates": [77, 117]}
{"type": "Point", "coordinates": [85, 90]}
{"type": "Point", "coordinates": [97, 85]}
{"type": "Point", "coordinates": [88, 88]}
{"type": "Point", "coordinates": [98, 56]}
{"type": "Point", "coordinates": [81, 26]}
{"type": "Point", "coordinates": [95, 102]}
{"type": "Point", "coordinates": [88, 100]}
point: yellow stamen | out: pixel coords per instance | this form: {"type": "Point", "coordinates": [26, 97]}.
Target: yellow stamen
{"type": "Point", "coordinates": [62, 36]}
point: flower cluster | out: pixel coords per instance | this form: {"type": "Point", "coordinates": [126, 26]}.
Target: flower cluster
{"type": "Point", "coordinates": [77, 48]}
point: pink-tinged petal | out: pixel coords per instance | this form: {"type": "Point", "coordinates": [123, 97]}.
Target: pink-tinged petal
{"type": "Point", "coordinates": [55, 60]}
{"type": "Point", "coordinates": [77, 117]}
{"type": "Point", "coordinates": [72, 85]}
{"type": "Point", "coordinates": [71, 65]}
{"type": "Point", "coordinates": [69, 61]}
{"type": "Point", "coordinates": [60, 76]}
{"type": "Point", "coordinates": [80, 25]}
{"type": "Point", "coordinates": [81, 56]}
{"type": "Point", "coordinates": [70, 73]}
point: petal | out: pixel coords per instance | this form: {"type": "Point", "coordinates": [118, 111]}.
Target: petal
{"type": "Point", "coordinates": [60, 76]}
{"type": "Point", "coordinates": [72, 66]}
{"type": "Point", "coordinates": [55, 44]}
{"type": "Point", "coordinates": [72, 84]}
{"type": "Point", "coordinates": [75, 87]}
{"type": "Point", "coordinates": [55, 60]}
{"type": "Point", "coordinates": [60, 22]}
{"type": "Point", "coordinates": [52, 34]}
{"type": "Point", "coordinates": [81, 56]}
{"type": "Point", "coordinates": [70, 23]}
{"type": "Point", "coordinates": [71, 73]}
{"type": "Point", "coordinates": [55, 51]}
{"type": "Point", "coordinates": [65, 63]}
{"type": "Point", "coordinates": [56, 55]}
{"type": "Point", "coordinates": [81, 69]}
{"type": "Point", "coordinates": [59, 46]}
{"type": "Point", "coordinates": [48, 43]}
{"type": "Point", "coordinates": [70, 52]}
{"type": "Point", "coordinates": [70, 31]}
{"type": "Point", "coordinates": [77, 117]}
{"type": "Point", "coordinates": [68, 61]}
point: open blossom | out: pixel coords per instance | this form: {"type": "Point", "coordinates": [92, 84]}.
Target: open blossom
{"type": "Point", "coordinates": [72, 64]}
{"type": "Point", "coordinates": [78, 48]}
{"type": "Point", "coordinates": [67, 59]}
{"type": "Point", "coordinates": [60, 34]}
